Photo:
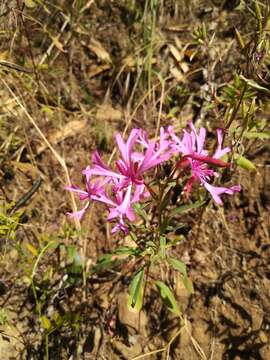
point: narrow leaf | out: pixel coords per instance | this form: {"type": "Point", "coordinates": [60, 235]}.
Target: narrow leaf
{"type": "Point", "coordinates": [136, 291]}
{"type": "Point", "coordinates": [126, 250]}
{"type": "Point", "coordinates": [141, 212]}
{"type": "Point", "coordinates": [30, 4]}
{"type": "Point", "coordinates": [263, 135]}
{"type": "Point", "coordinates": [104, 263]}
{"type": "Point", "coordinates": [32, 249]}
{"type": "Point", "coordinates": [253, 84]}
{"type": "Point", "coordinates": [185, 208]}
{"type": "Point", "coordinates": [239, 39]}
{"type": "Point", "coordinates": [178, 265]}
{"type": "Point", "coordinates": [188, 284]}
{"type": "Point", "coordinates": [168, 298]}
{"type": "Point", "coordinates": [162, 243]}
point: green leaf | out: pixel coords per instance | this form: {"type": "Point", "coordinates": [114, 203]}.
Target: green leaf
{"type": "Point", "coordinates": [162, 242]}
{"type": "Point", "coordinates": [185, 208]}
{"type": "Point", "coordinates": [32, 249]}
{"type": "Point", "coordinates": [167, 196]}
{"type": "Point", "coordinates": [188, 284]}
{"type": "Point", "coordinates": [151, 244]}
{"type": "Point", "coordinates": [168, 298]}
{"type": "Point", "coordinates": [175, 227]}
{"type": "Point", "coordinates": [141, 212]}
{"type": "Point", "coordinates": [30, 4]}
{"type": "Point", "coordinates": [47, 110]}
{"type": "Point", "coordinates": [74, 256]}
{"type": "Point", "coordinates": [45, 322]}
{"type": "Point", "coordinates": [104, 263]}
{"type": "Point", "coordinates": [126, 250]}
{"type": "Point", "coordinates": [178, 265]}
{"type": "Point", "coordinates": [165, 202]}
{"type": "Point", "coordinates": [136, 291]}
{"type": "Point", "coordinates": [244, 163]}
{"type": "Point", "coordinates": [253, 84]}
{"type": "Point", "coordinates": [181, 267]}
{"type": "Point", "coordinates": [133, 236]}
{"type": "Point", "coordinates": [263, 135]}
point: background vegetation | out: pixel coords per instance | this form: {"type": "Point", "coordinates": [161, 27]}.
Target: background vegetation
{"type": "Point", "coordinates": [73, 73]}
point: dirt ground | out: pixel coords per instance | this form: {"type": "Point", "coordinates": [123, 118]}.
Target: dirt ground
{"type": "Point", "coordinates": [80, 70]}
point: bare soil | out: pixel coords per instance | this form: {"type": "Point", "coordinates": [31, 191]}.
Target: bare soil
{"type": "Point", "coordinates": [95, 84]}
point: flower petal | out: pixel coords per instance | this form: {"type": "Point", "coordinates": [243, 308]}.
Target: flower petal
{"type": "Point", "coordinates": [216, 191]}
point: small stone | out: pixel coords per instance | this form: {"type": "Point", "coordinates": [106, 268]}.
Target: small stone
{"type": "Point", "coordinates": [129, 352]}
{"type": "Point", "coordinates": [263, 337]}
{"type": "Point", "coordinates": [181, 292]}
{"type": "Point", "coordinates": [200, 333]}
{"type": "Point", "coordinates": [185, 337]}
{"type": "Point", "coordinates": [133, 319]}
{"type": "Point", "coordinates": [257, 319]}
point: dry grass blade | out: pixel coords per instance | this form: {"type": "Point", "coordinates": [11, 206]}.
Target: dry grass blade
{"type": "Point", "coordinates": [16, 67]}
{"type": "Point", "coordinates": [55, 42]}
{"type": "Point", "coordinates": [54, 152]}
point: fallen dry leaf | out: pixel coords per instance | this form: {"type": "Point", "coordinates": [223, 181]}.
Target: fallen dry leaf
{"type": "Point", "coordinates": [175, 52]}
{"type": "Point", "coordinates": [96, 47]}
{"type": "Point", "coordinates": [184, 67]}
{"type": "Point", "coordinates": [26, 168]}
{"type": "Point", "coordinates": [95, 70]}
{"type": "Point", "coordinates": [107, 112]}
{"type": "Point", "coordinates": [58, 44]}
{"type": "Point", "coordinates": [179, 76]}
{"type": "Point", "coordinates": [69, 129]}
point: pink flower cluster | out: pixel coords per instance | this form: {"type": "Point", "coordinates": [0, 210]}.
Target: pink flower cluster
{"type": "Point", "coordinates": [123, 186]}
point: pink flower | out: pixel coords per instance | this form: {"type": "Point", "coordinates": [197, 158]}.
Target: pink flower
{"type": "Point", "coordinates": [125, 186]}
{"type": "Point", "coordinates": [120, 189]}
{"type": "Point", "coordinates": [216, 191]}
{"type": "Point", "coordinates": [163, 146]}
{"type": "Point", "coordinates": [192, 148]}
{"type": "Point", "coordinates": [120, 205]}
{"type": "Point", "coordinates": [91, 191]}
{"type": "Point", "coordinates": [132, 165]}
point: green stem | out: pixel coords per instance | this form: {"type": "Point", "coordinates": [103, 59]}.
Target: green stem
{"type": "Point", "coordinates": [35, 293]}
{"type": "Point", "coordinates": [46, 347]}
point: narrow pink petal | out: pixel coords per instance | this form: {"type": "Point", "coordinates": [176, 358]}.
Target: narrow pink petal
{"type": "Point", "coordinates": [139, 193]}
{"type": "Point", "coordinates": [126, 149]}
{"type": "Point", "coordinates": [189, 142]}
{"type": "Point", "coordinates": [78, 214]}
{"type": "Point", "coordinates": [97, 160]}
{"type": "Point", "coordinates": [97, 170]}
{"type": "Point", "coordinates": [112, 214]}
{"type": "Point", "coordinates": [76, 189]}
{"type": "Point", "coordinates": [122, 167]}
{"type": "Point", "coordinates": [104, 199]}
{"type": "Point", "coordinates": [142, 138]}
{"type": "Point", "coordinates": [236, 188]}
{"type": "Point", "coordinates": [219, 151]}
{"type": "Point", "coordinates": [147, 163]}
{"type": "Point", "coordinates": [86, 173]}
{"type": "Point", "coordinates": [120, 227]}
{"type": "Point", "coordinates": [201, 140]}
{"type": "Point", "coordinates": [126, 202]}
{"type": "Point", "coordinates": [121, 146]}
{"type": "Point", "coordinates": [215, 191]}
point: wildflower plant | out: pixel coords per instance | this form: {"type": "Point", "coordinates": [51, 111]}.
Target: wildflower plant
{"type": "Point", "coordinates": [140, 194]}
